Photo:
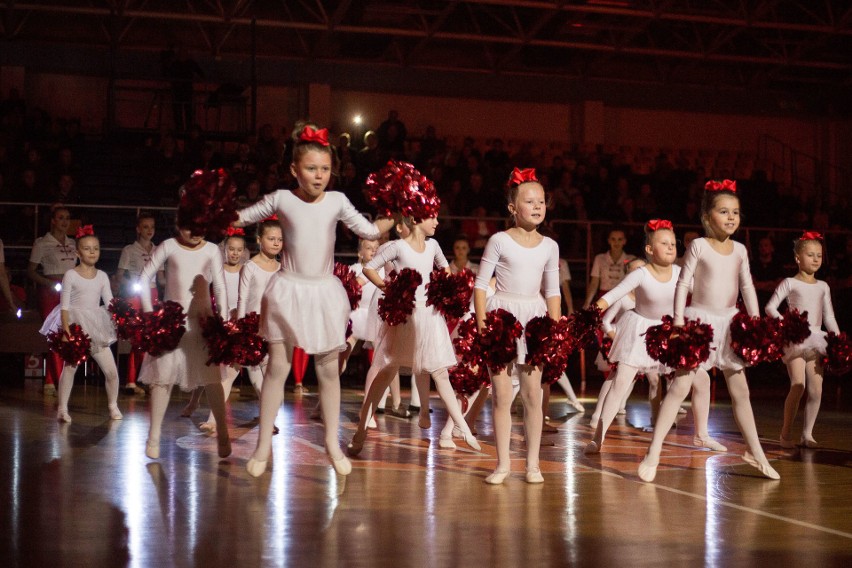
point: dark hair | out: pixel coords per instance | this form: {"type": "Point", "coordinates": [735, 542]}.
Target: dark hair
{"type": "Point", "coordinates": [58, 207]}
{"type": "Point", "coordinates": [145, 215]}
{"type": "Point", "coordinates": [266, 224]}
{"type": "Point", "coordinates": [461, 237]}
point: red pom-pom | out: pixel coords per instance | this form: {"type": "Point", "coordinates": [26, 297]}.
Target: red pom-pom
{"type": "Point", "coordinates": [683, 347]}
{"type": "Point", "coordinates": [606, 345]}
{"type": "Point", "coordinates": [450, 293]}
{"type": "Point", "coordinates": [75, 347]}
{"type": "Point", "coordinates": [560, 345]}
{"type": "Point", "coordinates": [350, 283]}
{"type": "Point", "coordinates": [234, 342]}
{"type": "Point", "coordinates": [795, 327]}
{"type": "Point", "coordinates": [466, 381]}
{"type": "Point", "coordinates": [537, 334]}
{"type": "Point", "coordinates": [215, 331]}
{"type": "Point", "coordinates": [466, 343]}
{"type": "Point", "coordinates": [125, 317]}
{"type": "Point", "coordinates": [208, 204]}
{"type": "Point", "coordinates": [399, 187]}
{"type": "Point", "coordinates": [756, 340]}
{"type": "Point", "coordinates": [838, 354]}
{"type": "Point", "coordinates": [398, 301]}
{"type": "Point", "coordinates": [497, 340]}
{"type": "Point", "coordinates": [583, 326]}
{"type": "Point", "coordinates": [160, 331]}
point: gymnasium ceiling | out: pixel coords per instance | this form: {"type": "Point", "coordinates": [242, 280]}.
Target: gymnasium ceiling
{"type": "Point", "coordinates": [778, 46]}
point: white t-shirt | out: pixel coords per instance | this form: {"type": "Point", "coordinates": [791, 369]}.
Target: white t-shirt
{"type": "Point", "coordinates": [133, 259]}
{"type": "Point", "coordinates": [609, 271]}
{"type": "Point", "coordinates": [54, 257]}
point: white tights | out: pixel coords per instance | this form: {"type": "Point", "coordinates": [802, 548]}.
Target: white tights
{"type": "Point", "coordinates": [106, 362]}
{"type": "Point", "coordinates": [805, 373]}
{"type": "Point", "coordinates": [160, 395]}
{"type": "Point", "coordinates": [501, 404]}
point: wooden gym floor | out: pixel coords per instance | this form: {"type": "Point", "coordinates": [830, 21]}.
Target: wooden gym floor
{"type": "Point", "coordinates": [84, 494]}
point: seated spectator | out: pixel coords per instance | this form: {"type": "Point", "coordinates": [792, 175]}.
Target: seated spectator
{"type": "Point", "coordinates": [478, 230]}
{"type": "Point", "coordinates": [766, 270]}
{"type": "Point", "coordinates": [461, 252]}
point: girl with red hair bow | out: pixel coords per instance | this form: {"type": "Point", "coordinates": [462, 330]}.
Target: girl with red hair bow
{"type": "Point", "coordinates": [805, 293]}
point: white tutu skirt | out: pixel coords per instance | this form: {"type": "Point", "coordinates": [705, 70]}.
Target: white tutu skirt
{"type": "Point", "coordinates": [310, 313]}
{"type": "Point", "coordinates": [602, 364]}
{"type": "Point", "coordinates": [813, 346]}
{"type": "Point", "coordinates": [721, 354]}
{"type": "Point", "coordinates": [360, 321]}
{"type": "Point", "coordinates": [524, 308]}
{"type": "Point", "coordinates": [96, 323]}
{"type": "Point", "coordinates": [628, 345]}
{"type": "Point", "coordinates": [185, 366]}
{"type": "Point", "coordinates": [373, 322]}
{"type": "Point", "coordinates": [422, 343]}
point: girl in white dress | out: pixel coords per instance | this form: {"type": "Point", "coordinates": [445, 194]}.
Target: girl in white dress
{"type": "Point", "coordinates": [83, 289]}
{"type": "Point", "coordinates": [718, 269]}
{"type": "Point", "coordinates": [422, 343]}
{"type": "Point", "coordinates": [192, 265]}
{"type": "Point", "coordinates": [521, 259]}
{"type": "Point", "coordinates": [304, 304]}
{"type": "Point", "coordinates": [804, 361]}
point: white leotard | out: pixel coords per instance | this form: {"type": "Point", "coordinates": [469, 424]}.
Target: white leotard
{"type": "Point", "coordinates": [813, 298]}
{"type": "Point", "coordinates": [653, 298]}
{"type": "Point", "coordinates": [253, 281]}
{"type": "Point", "coordinates": [399, 254]}
{"type": "Point", "coordinates": [614, 311]}
{"type": "Point", "coordinates": [84, 293]}
{"type": "Point", "coordinates": [520, 270]}
{"type": "Point", "coordinates": [232, 288]}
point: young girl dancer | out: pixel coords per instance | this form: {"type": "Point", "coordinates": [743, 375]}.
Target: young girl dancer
{"type": "Point", "coordinates": [304, 304]}
{"type": "Point", "coordinates": [130, 264]}
{"type": "Point", "coordinates": [83, 289]}
{"type": "Point", "coordinates": [804, 361]}
{"type": "Point", "coordinates": [422, 343]}
{"type": "Point", "coordinates": [521, 259]}
{"type": "Point", "coordinates": [192, 265]}
{"type": "Point", "coordinates": [235, 248]}
{"type": "Point", "coordinates": [718, 269]}
{"type": "Point", "coordinates": [55, 253]}
{"type": "Point", "coordinates": [654, 287]}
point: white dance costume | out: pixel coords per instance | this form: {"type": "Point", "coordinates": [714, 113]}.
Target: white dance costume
{"type": "Point", "coordinates": [305, 304]}
{"type": "Point", "coordinates": [133, 259]}
{"type": "Point", "coordinates": [189, 274]}
{"type": "Point", "coordinates": [232, 289]}
{"type": "Point", "coordinates": [253, 282]}
{"type": "Point", "coordinates": [609, 323]}
{"type": "Point", "coordinates": [654, 299]}
{"type": "Point", "coordinates": [714, 296]}
{"type": "Point", "coordinates": [81, 298]}
{"type": "Point", "coordinates": [520, 273]}
{"type": "Point", "coordinates": [362, 327]}
{"type": "Point", "coordinates": [423, 342]}
{"type": "Point", "coordinates": [814, 298]}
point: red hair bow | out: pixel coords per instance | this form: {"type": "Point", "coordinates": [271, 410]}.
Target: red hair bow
{"type": "Point", "coordinates": [274, 217]}
{"type": "Point", "coordinates": [724, 185]}
{"type": "Point", "coordinates": [85, 231]}
{"type": "Point", "coordinates": [522, 176]}
{"type": "Point", "coordinates": [317, 136]}
{"type": "Point", "coordinates": [811, 236]}
{"type": "Point", "coordinates": [657, 224]}
{"type": "Point", "coordinates": [235, 232]}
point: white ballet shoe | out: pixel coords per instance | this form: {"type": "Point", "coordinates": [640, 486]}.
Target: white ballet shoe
{"type": "Point", "coordinates": [471, 441]}
{"type": "Point", "coordinates": [115, 413]}
{"type": "Point", "coordinates": [497, 478]}
{"type": "Point", "coordinates": [63, 416]}
{"type": "Point", "coordinates": [152, 449]}
{"type": "Point", "coordinates": [786, 444]}
{"type": "Point", "coordinates": [708, 443]}
{"type": "Point", "coordinates": [592, 448]}
{"type": "Point", "coordinates": [763, 467]}
{"type": "Point", "coordinates": [534, 475]}
{"type": "Point", "coordinates": [357, 444]}
{"type": "Point", "coordinates": [341, 465]}
{"type": "Point", "coordinates": [256, 468]}
{"type": "Point", "coordinates": [457, 433]}
{"type": "Point", "coordinates": [578, 406]}
{"type": "Point", "coordinates": [224, 445]}
{"type": "Point", "coordinates": [593, 424]}
{"type": "Point", "coordinates": [808, 442]}
{"type": "Point", "coordinates": [446, 443]}
{"type": "Point", "coordinates": [647, 470]}
{"type": "Point", "coordinates": [371, 424]}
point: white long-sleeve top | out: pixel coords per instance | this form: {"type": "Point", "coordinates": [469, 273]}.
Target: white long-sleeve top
{"type": "Point", "coordinates": [309, 228]}
{"type": "Point", "coordinates": [520, 270]}
{"type": "Point", "coordinates": [614, 311]}
{"type": "Point", "coordinates": [253, 281]}
{"type": "Point", "coordinates": [716, 279]}
{"type": "Point", "coordinates": [814, 298]}
{"type": "Point", "coordinates": [85, 293]}
{"type": "Point", "coordinates": [399, 254]}
{"type": "Point", "coordinates": [368, 289]}
{"type": "Point", "coordinates": [184, 266]}
{"type": "Point", "coordinates": [232, 288]}
{"type": "Point", "coordinates": [654, 299]}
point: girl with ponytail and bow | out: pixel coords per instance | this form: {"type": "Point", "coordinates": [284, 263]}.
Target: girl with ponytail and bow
{"type": "Point", "coordinates": [84, 288]}
{"type": "Point", "coordinates": [304, 304]}
{"type": "Point", "coordinates": [654, 287]}
{"type": "Point", "coordinates": [805, 293]}
{"type": "Point", "coordinates": [717, 268]}
{"type": "Point", "coordinates": [524, 262]}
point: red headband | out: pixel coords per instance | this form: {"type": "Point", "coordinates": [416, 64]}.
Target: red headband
{"type": "Point", "coordinates": [811, 236]}
{"type": "Point", "coordinates": [522, 176]}
{"type": "Point", "coordinates": [235, 232]}
{"type": "Point", "coordinates": [85, 231]}
{"type": "Point", "coordinates": [657, 224]}
{"type": "Point", "coordinates": [724, 185]}
{"type": "Point", "coordinates": [317, 136]}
